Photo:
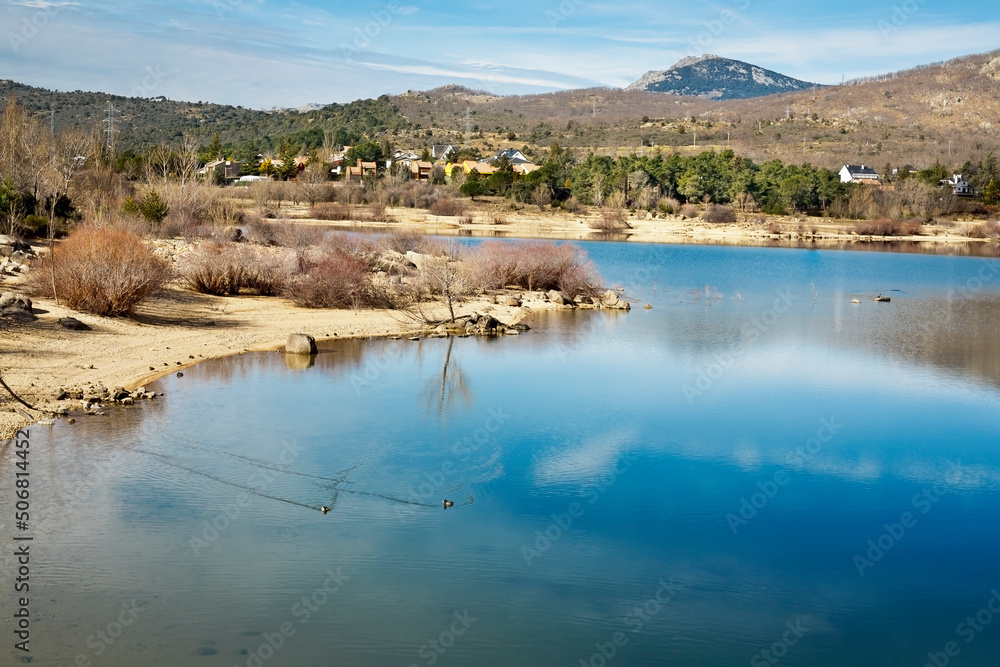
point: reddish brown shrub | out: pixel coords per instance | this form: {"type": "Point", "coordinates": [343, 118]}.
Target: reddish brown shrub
{"type": "Point", "coordinates": [100, 270]}
{"type": "Point", "coordinates": [375, 213]}
{"type": "Point", "coordinates": [338, 280]}
{"type": "Point", "coordinates": [887, 227]}
{"type": "Point", "coordinates": [331, 211]}
{"type": "Point", "coordinates": [449, 207]}
{"type": "Point", "coordinates": [690, 211]}
{"type": "Point", "coordinates": [718, 214]}
{"type": "Point", "coordinates": [533, 266]}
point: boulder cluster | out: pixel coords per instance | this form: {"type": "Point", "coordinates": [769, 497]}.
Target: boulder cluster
{"type": "Point", "coordinates": [15, 255]}
{"type": "Point", "coordinates": [91, 397]}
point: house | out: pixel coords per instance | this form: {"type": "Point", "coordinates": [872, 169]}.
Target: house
{"type": "Point", "coordinates": [231, 169]}
{"type": "Point", "coordinates": [525, 169]}
{"type": "Point", "coordinates": [513, 156]}
{"type": "Point", "coordinates": [441, 152]}
{"type": "Point", "coordinates": [361, 169]}
{"type": "Point", "coordinates": [961, 186]}
{"type": "Point", "coordinates": [420, 170]}
{"type": "Point", "coordinates": [859, 174]}
{"type": "Point", "coordinates": [483, 168]}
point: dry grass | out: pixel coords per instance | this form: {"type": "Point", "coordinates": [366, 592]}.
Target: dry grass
{"type": "Point", "coordinates": [100, 270]}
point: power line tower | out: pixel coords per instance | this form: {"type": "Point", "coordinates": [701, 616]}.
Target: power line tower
{"type": "Point", "coordinates": [468, 126]}
{"type": "Point", "coordinates": [110, 131]}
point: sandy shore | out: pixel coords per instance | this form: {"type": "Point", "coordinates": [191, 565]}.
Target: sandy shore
{"type": "Point", "coordinates": [175, 330]}
{"type": "Point", "coordinates": [531, 223]}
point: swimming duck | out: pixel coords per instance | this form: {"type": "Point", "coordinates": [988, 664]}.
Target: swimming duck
{"type": "Point", "coordinates": [448, 503]}
{"type": "Point", "coordinates": [324, 509]}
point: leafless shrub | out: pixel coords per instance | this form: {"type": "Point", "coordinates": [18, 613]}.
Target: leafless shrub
{"type": "Point", "coordinates": [533, 266]}
{"type": "Point", "coordinates": [375, 213]}
{"type": "Point", "coordinates": [690, 211]}
{"type": "Point", "coordinates": [338, 280]}
{"type": "Point", "coordinates": [467, 219]}
{"type": "Point", "coordinates": [887, 227]}
{"type": "Point", "coordinates": [668, 205]}
{"type": "Point", "coordinates": [330, 211]}
{"type": "Point", "coordinates": [224, 213]}
{"type": "Point", "coordinates": [100, 270]}
{"type": "Point", "coordinates": [447, 207]}
{"type": "Point", "coordinates": [575, 206]}
{"type": "Point", "coordinates": [217, 268]}
{"type": "Point", "coordinates": [984, 230]}
{"type": "Point", "coordinates": [611, 220]}
{"type": "Point", "coordinates": [718, 214]}
{"type": "Point", "coordinates": [496, 217]}
{"type": "Point", "coordinates": [351, 193]}
{"type": "Point", "coordinates": [541, 196]}
{"type": "Point", "coordinates": [404, 242]}
{"type": "Point", "coordinates": [774, 228]}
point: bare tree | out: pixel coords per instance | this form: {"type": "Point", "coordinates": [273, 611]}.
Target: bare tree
{"type": "Point", "coordinates": [313, 182]}
{"type": "Point", "coordinates": [69, 155]}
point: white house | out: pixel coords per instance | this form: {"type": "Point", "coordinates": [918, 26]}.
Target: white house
{"type": "Point", "coordinates": [961, 186]}
{"type": "Point", "coordinates": [852, 173]}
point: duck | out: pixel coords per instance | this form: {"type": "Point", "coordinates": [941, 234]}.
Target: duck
{"type": "Point", "coordinates": [448, 503]}
{"type": "Point", "coordinates": [324, 509]}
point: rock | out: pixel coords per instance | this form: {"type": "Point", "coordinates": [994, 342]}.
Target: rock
{"type": "Point", "coordinates": [60, 394]}
{"type": "Point", "coordinates": [19, 256]}
{"type": "Point", "coordinates": [612, 301]}
{"type": "Point", "coordinates": [7, 240]}
{"type": "Point", "coordinates": [140, 391]}
{"type": "Point", "coordinates": [128, 401]}
{"type": "Point", "coordinates": [73, 324]}
{"type": "Point", "coordinates": [648, 307]}
{"type": "Point", "coordinates": [234, 234]}
{"type": "Point", "coordinates": [16, 307]}
{"type": "Point", "coordinates": [510, 300]}
{"type": "Point", "coordinates": [855, 300]}
{"type": "Point", "coordinates": [558, 298]}
{"type": "Point", "coordinates": [424, 262]}
{"type": "Point", "coordinates": [301, 344]}
{"type": "Point", "coordinates": [120, 394]}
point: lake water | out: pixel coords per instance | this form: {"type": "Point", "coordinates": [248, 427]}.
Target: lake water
{"type": "Point", "coordinates": [755, 471]}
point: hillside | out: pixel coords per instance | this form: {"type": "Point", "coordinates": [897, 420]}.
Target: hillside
{"type": "Point", "coordinates": [946, 111]}
{"type": "Point", "coordinates": [718, 79]}
{"type": "Point", "coordinates": [142, 122]}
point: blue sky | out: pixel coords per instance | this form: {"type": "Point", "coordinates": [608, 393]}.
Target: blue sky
{"type": "Point", "coordinates": [263, 54]}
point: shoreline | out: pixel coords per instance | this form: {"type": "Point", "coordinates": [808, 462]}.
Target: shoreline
{"type": "Point", "coordinates": [797, 232]}
{"type": "Point", "coordinates": [170, 333]}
